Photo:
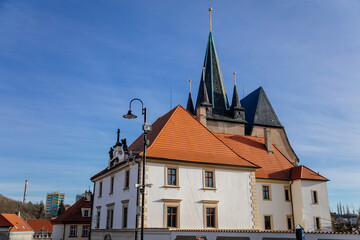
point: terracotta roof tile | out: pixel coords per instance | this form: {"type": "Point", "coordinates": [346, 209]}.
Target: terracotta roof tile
{"type": "Point", "coordinates": [16, 223]}
{"type": "Point", "coordinates": [73, 214]}
{"type": "Point", "coordinates": [39, 225]}
{"type": "Point", "coordinates": [302, 172]}
{"type": "Point", "coordinates": [179, 136]}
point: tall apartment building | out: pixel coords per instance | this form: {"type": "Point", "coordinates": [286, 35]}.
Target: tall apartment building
{"type": "Point", "coordinates": [52, 203]}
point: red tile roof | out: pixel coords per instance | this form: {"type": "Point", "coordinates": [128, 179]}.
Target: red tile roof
{"type": "Point", "coordinates": [179, 136]}
{"type": "Point", "coordinates": [16, 223]}
{"type": "Point", "coordinates": [39, 225]}
{"type": "Point", "coordinates": [302, 172]}
{"type": "Point", "coordinates": [73, 214]}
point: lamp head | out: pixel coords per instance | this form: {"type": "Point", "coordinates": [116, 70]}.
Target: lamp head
{"type": "Point", "coordinates": [130, 115]}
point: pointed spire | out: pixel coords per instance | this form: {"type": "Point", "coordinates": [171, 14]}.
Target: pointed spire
{"type": "Point", "coordinates": [118, 139]}
{"type": "Point", "coordinates": [190, 105]}
{"type": "Point", "coordinates": [203, 94]}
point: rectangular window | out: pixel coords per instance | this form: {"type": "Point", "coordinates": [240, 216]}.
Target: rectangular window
{"type": "Point", "coordinates": [127, 179]}
{"type": "Point", "coordinates": [209, 179]}
{"type": "Point", "coordinates": [100, 189]}
{"type": "Point", "coordinates": [73, 231]}
{"type": "Point", "coordinates": [287, 193]}
{"type": "Point", "coordinates": [125, 217]}
{"type": "Point", "coordinates": [111, 185]}
{"type": "Point", "coordinates": [171, 172]}
{"type": "Point", "coordinates": [171, 216]}
{"type": "Point", "coordinates": [266, 192]}
{"type": "Point", "coordinates": [315, 197]}
{"type": "Point", "coordinates": [210, 217]}
{"type": "Point", "coordinates": [267, 222]}
{"type": "Point", "coordinates": [289, 222]}
{"type": "Point", "coordinates": [85, 231]}
{"type": "Point", "coordinates": [317, 223]}
{"type": "Point", "coordinates": [98, 218]}
{"type": "Point", "coordinates": [109, 218]}
{"type": "Point", "coordinates": [86, 213]}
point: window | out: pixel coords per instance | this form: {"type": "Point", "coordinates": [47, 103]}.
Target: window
{"type": "Point", "coordinates": [209, 179]}
{"type": "Point", "coordinates": [111, 185]}
{"type": "Point", "coordinates": [73, 231]}
{"type": "Point", "coordinates": [98, 217]}
{"type": "Point", "coordinates": [109, 216]}
{"type": "Point", "coordinates": [100, 189]}
{"type": "Point", "coordinates": [315, 199]}
{"type": "Point", "coordinates": [287, 193]}
{"type": "Point", "coordinates": [125, 204]}
{"type": "Point", "coordinates": [85, 231]}
{"type": "Point", "coordinates": [289, 222]}
{"type": "Point", "coordinates": [210, 213]}
{"type": "Point", "coordinates": [210, 217]}
{"type": "Point", "coordinates": [266, 192]}
{"type": "Point", "coordinates": [317, 223]}
{"type": "Point", "coordinates": [267, 222]}
{"type": "Point", "coordinates": [172, 213]}
{"type": "Point", "coordinates": [127, 179]}
{"type": "Point", "coordinates": [86, 213]}
{"type": "Point", "coordinates": [171, 176]}
{"type": "Point", "coordinates": [171, 216]}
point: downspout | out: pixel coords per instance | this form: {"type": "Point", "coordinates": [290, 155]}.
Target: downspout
{"type": "Point", "coordinates": [64, 232]}
{"type": "Point", "coordinates": [92, 210]}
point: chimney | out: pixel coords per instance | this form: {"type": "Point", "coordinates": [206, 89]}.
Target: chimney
{"type": "Point", "coordinates": [17, 213]}
{"type": "Point", "coordinates": [268, 140]}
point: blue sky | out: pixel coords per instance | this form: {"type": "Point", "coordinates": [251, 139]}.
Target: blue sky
{"type": "Point", "coordinates": [68, 70]}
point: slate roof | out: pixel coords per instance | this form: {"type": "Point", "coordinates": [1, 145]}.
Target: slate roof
{"type": "Point", "coordinates": [14, 222]}
{"type": "Point", "coordinates": [73, 214]}
{"type": "Point", "coordinates": [258, 111]}
{"type": "Point", "coordinates": [39, 225]}
{"type": "Point", "coordinates": [190, 105]}
{"type": "Point", "coordinates": [213, 80]}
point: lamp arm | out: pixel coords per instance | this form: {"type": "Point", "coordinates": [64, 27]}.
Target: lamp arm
{"type": "Point", "coordinates": [137, 99]}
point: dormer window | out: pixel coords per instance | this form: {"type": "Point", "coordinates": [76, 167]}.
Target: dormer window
{"type": "Point", "coordinates": [85, 212]}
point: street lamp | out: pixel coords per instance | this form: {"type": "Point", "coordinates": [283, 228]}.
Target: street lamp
{"type": "Point", "coordinates": [140, 187]}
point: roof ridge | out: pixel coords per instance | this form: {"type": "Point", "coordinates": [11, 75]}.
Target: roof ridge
{"type": "Point", "coordinates": [163, 127]}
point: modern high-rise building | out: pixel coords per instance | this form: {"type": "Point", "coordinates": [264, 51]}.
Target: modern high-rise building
{"type": "Point", "coordinates": [52, 203]}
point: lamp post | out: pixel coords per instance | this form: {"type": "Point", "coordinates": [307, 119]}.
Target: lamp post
{"type": "Point", "coordinates": [140, 187]}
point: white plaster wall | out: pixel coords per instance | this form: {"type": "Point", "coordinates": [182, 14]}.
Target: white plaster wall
{"type": "Point", "coordinates": [277, 206]}
{"type": "Point", "coordinates": [58, 231]}
{"type": "Point", "coordinates": [311, 210]}
{"type": "Point", "coordinates": [21, 235]}
{"type": "Point", "coordinates": [116, 197]}
{"type": "Point", "coordinates": [233, 194]}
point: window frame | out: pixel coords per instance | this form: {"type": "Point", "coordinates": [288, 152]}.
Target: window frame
{"type": "Point", "coordinates": [317, 220]}
{"type": "Point", "coordinates": [207, 205]}
{"type": "Point", "coordinates": [213, 179]}
{"type": "Point", "coordinates": [100, 189]}
{"type": "Point", "coordinates": [269, 192]}
{"type": "Point", "coordinates": [70, 230]}
{"type": "Point", "coordinates": [176, 176]}
{"type": "Point", "coordinates": [98, 213]}
{"type": "Point", "coordinates": [291, 222]}
{"type": "Point", "coordinates": [287, 188]}
{"type": "Point", "coordinates": [271, 222]}
{"type": "Point", "coordinates": [172, 203]}
{"type": "Point", "coordinates": [112, 181]}
{"type": "Point", "coordinates": [127, 179]}
{"type": "Point", "coordinates": [82, 231]}
{"type": "Point", "coordinates": [314, 197]}
{"type": "Point", "coordinates": [110, 219]}
{"type": "Point", "coordinates": [124, 219]}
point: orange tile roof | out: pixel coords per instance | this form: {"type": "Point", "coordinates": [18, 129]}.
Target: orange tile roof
{"type": "Point", "coordinates": [16, 223]}
{"type": "Point", "coordinates": [179, 136]}
{"type": "Point", "coordinates": [273, 166]}
{"type": "Point", "coordinates": [39, 225]}
{"type": "Point", "coordinates": [302, 172]}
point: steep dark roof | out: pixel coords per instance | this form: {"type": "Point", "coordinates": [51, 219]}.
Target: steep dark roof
{"type": "Point", "coordinates": [213, 81]}
{"type": "Point", "coordinates": [258, 111]}
{"type": "Point", "coordinates": [190, 105]}
{"type": "Point", "coordinates": [235, 104]}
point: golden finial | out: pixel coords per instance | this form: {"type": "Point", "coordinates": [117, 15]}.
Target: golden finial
{"type": "Point", "coordinates": [204, 74]}
{"type": "Point", "coordinates": [234, 78]}
{"type": "Point", "coordinates": [189, 86]}
{"type": "Point", "coordinates": [210, 9]}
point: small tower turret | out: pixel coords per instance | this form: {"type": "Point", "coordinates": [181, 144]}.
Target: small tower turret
{"type": "Point", "coordinates": [190, 104]}
{"type": "Point", "coordinates": [236, 109]}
